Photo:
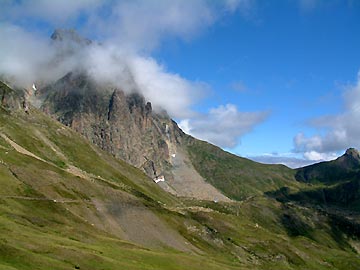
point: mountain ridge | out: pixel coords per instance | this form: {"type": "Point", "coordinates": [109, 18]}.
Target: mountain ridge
{"type": "Point", "coordinates": [331, 171]}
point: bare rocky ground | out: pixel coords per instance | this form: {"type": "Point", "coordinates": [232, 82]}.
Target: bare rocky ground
{"type": "Point", "coordinates": [187, 181]}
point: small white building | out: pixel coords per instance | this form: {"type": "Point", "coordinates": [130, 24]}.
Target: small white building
{"type": "Point", "coordinates": [158, 179]}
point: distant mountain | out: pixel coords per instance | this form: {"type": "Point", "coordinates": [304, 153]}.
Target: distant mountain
{"type": "Point", "coordinates": [331, 172]}
{"type": "Point", "coordinates": [333, 183]}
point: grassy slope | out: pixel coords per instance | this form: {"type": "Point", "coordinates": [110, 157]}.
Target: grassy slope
{"type": "Point", "coordinates": [237, 177]}
{"type": "Point", "coordinates": [42, 234]}
{"type": "Point", "coordinates": [47, 233]}
{"type": "Point", "coordinates": [345, 194]}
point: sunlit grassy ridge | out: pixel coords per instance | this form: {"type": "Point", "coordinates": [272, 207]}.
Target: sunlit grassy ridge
{"type": "Point", "coordinates": [237, 177]}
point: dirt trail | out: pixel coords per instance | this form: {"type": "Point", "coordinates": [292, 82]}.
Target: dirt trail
{"type": "Point", "coordinates": [20, 149]}
{"type": "Point", "coordinates": [50, 144]}
{"type": "Point", "coordinates": [55, 200]}
{"type": "Point", "coordinates": [71, 168]}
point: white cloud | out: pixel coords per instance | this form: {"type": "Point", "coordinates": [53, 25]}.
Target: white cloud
{"type": "Point", "coordinates": [283, 158]}
{"type": "Point", "coordinates": [140, 24]}
{"type": "Point", "coordinates": [166, 90]}
{"type": "Point", "coordinates": [144, 24]}
{"type": "Point", "coordinates": [185, 126]}
{"type": "Point", "coordinates": [23, 55]}
{"type": "Point", "coordinates": [223, 125]}
{"type": "Point", "coordinates": [343, 129]}
{"type": "Point", "coordinates": [316, 156]}
{"type": "Point", "coordinates": [129, 30]}
{"type": "Point", "coordinates": [27, 58]}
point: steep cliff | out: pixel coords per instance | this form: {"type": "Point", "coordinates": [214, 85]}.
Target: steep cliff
{"type": "Point", "coordinates": [12, 99]}
{"type": "Point", "coordinates": [123, 125]}
{"type": "Point", "coordinates": [126, 126]}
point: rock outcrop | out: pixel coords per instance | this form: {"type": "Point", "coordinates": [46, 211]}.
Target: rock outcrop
{"type": "Point", "coordinates": [11, 99]}
{"type": "Point", "coordinates": [123, 125]}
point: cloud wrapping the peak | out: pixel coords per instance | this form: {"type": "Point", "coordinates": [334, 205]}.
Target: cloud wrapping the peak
{"type": "Point", "coordinates": [172, 92]}
{"type": "Point", "coordinates": [24, 56]}
{"type": "Point", "coordinates": [223, 125]}
{"type": "Point", "coordinates": [129, 30]}
{"type": "Point", "coordinates": [26, 59]}
{"type": "Point", "coordinates": [343, 129]}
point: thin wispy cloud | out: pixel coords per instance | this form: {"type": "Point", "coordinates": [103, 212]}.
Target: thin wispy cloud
{"type": "Point", "coordinates": [308, 5]}
{"type": "Point", "coordinates": [282, 158]}
{"type": "Point", "coordinates": [238, 86]}
{"type": "Point", "coordinates": [343, 130]}
{"type": "Point", "coordinates": [223, 125]}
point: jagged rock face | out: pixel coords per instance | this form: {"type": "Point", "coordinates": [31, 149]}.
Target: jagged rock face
{"type": "Point", "coordinates": [12, 99]}
{"type": "Point", "coordinates": [123, 125]}
{"type": "Point", "coordinates": [71, 35]}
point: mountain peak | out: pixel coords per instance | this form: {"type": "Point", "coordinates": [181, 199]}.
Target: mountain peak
{"type": "Point", "coordinates": [71, 35]}
{"type": "Point", "coordinates": [331, 172]}
{"type": "Point", "coordinates": [352, 152]}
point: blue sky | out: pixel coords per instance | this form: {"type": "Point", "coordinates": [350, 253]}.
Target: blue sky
{"type": "Point", "coordinates": [273, 80]}
{"type": "Point", "coordinates": [291, 61]}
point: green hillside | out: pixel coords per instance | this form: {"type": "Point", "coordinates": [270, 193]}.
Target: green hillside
{"type": "Point", "coordinates": [66, 204]}
{"type": "Point", "coordinates": [237, 177]}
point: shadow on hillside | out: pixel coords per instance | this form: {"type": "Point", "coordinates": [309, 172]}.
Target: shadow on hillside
{"type": "Point", "coordinates": [294, 224]}
{"type": "Point", "coordinates": [344, 195]}
{"type": "Point", "coordinates": [300, 212]}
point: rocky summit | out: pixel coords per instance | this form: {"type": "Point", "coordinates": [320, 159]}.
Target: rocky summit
{"type": "Point", "coordinates": [125, 125]}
